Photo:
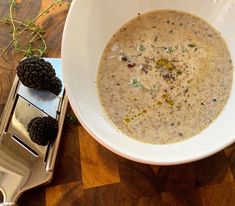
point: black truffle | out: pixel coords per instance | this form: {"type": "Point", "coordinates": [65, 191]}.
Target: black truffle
{"type": "Point", "coordinates": [42, 130]}
{"type": "Point", "coordinates": [55, 86]}
{"type": "Point", "coordinates": [36, 73]}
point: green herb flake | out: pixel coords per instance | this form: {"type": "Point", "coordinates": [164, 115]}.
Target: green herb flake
{"type": "Point", "coordinates": [136, 83]}
{"type": "Point", "coordinates": [71, 119]}
{"type": "Point", "coordinates": [141, 48]}
{"type": "Point", "coordinates": [170, 50]}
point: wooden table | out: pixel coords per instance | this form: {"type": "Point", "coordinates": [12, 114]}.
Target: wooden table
{"type": "Point", "coordinates": [88, 174]}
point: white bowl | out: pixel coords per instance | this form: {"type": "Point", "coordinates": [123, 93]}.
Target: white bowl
{"type": "Point", "coordinates": [89, 26]}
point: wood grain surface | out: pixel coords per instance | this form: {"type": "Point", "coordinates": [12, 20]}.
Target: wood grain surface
{"type": "Point", "coordinates": [88, 174]}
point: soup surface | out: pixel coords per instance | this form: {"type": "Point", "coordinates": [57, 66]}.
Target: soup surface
{"type": "Point", "coordinates": [164, 76]}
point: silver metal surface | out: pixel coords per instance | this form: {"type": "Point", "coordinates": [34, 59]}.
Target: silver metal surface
{"type": "Point", "coordinates": [24, 164]}
{"type": "Point", "coordinates": [44, 100]}
{"type": "Point", "coordinates": [52, 151]}
{"type": "Point", "coordinates": [17, 129]}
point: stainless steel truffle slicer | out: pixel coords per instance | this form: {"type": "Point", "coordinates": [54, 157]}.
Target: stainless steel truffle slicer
{"type": "Point", "coordinates": [24, 164]}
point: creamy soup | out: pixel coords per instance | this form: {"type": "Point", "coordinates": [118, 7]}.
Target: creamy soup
{"type": "Point", "coordinates": [164, 76]}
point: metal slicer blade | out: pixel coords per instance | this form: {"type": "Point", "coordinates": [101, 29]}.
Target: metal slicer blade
{"type": "Point", "coordinates": [24, 164]}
